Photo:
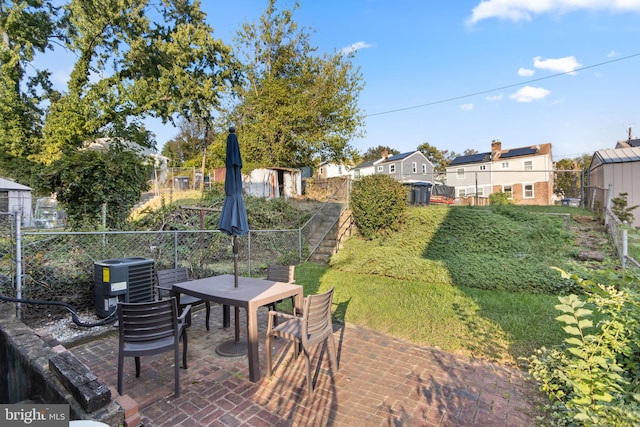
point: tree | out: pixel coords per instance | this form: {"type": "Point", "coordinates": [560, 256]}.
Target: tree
{"type": "Point", "coordinates": [376, 153]}
{"type": "Point", "coordinates": [294, 106]}
{"type": "Point", "coordinates": [568, 176]}
{"type": "Point", "coordinates": [379, 205]}
{"type": "Point", "coordinates": [26, 28]}
{"type": "Point", "coordinates": [435, 156]}
{"type": "Point", "coordinates": [136, 59]}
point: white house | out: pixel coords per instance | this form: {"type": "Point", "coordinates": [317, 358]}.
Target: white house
{"type": "Point", "coordinates": [525, 174]}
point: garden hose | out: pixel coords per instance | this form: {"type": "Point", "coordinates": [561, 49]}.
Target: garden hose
{"type": "Point", "coordinates": [74, 316]}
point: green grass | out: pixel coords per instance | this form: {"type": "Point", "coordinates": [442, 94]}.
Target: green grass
{"type": "Point", "coordinates": [461, 279]}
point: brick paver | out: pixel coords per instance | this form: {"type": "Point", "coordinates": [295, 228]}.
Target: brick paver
{"type": "Point", "coordinates": [381, 381]}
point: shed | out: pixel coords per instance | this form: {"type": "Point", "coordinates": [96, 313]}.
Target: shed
{"type": "Point", "coordinates": [273, 182]}
{"type": "Point", "coordinates": [16, 197]}
{"type": "Point", "coordinates": [620, 168]}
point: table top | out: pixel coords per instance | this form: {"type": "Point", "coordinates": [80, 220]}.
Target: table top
{"type": "Point", "coordinates": [250, 290]}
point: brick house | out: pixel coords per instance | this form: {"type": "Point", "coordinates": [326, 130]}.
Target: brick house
{"type": "Point", "coordinates": [525, 174]}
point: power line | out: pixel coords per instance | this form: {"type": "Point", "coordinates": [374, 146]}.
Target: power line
{"type": "Point", "coordinates": [503, 87]}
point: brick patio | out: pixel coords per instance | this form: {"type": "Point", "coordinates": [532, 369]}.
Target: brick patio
{"type": "Point", "coordinates": [381, 381]}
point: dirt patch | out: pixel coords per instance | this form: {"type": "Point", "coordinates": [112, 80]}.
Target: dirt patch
{"type": "Point", "coordinates": [591, 239]}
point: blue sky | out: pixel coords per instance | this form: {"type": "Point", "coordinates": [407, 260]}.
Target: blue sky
{"type": "Point", "coordinates": [458, 74]}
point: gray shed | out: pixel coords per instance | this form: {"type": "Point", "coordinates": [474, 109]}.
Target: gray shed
{"type": "Point", "coordinates": [16, 197]}
{"type": "Point", "coordinates": [620, 168]}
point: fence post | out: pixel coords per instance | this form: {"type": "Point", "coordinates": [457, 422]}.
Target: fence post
{"type": "Point", "coordinates": [18, 219]}
{"type": "Point", "coordinates": [623, 261]}
{"type": "Point", "coordinates": [175, 249]}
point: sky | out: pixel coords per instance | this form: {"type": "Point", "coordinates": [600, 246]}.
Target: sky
{"type": "Point", "coordinates": [459, 74]}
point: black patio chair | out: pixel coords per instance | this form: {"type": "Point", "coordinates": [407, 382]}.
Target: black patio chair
{"type": "Point", "coordinates": [167, 278]}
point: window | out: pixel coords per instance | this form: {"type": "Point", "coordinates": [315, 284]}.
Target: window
{"type": "Point", "coordinates": [356, 173]}
{"type": "Point", "coordinates": [424, 168]}
{"type": "Point", "coordinates": [507, 190]}
{"type": "Point", "coordinates": [462, 192]}
{"type": "Point", "coordinates": [528, 191]}
{"type": "Point", "coordinates": [483, 167]}
{"type": "Point", "coordinates": [480, 192]}
{"type": "Point", "coordinates": [4, 201]}
{"type": "Point", "coordinates": [504, 165]}
{"type": "Point", "coordinates": [380, 168]}
{"type": "Point", "coordinates": [528, 165]}
{"type": "Point", "coordinates": [414, 167]}
{"type": "Point", "coordinates": [392, 168]}
{"type": "Point", "coordinates": [339, 169]}
{"type": "Point", "coordinates": [460, 173]}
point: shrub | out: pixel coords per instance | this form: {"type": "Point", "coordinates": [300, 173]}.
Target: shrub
{"type": "Point", "coordinates": [499, 199]}
{"type": "Point", "coordinates": [594, 378]}
{"type": "Point", "coordinates": [379, 204]}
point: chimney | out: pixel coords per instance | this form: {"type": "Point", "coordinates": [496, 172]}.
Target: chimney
{"type": "Point", "coordinates": [385, 153]}
{"type": "Point", "coordinates": [496, 146]}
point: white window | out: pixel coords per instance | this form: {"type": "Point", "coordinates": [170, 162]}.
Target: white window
{"type": "Point", "coordinates": [392, 168]}
{"type": "Point", "coordinates": [424, 168]}
{"type": "Point", "coordinates": [356, 173]}
{"type": "Point", "coordinates": [504, 165]}
{"type": "Point", "coordinates": [460, 173]}
{"type": "Point", "coordinates": [462, 192]}
{"type": "Point", "coordinates": [528, 165]}
{"type": "Point", "coordinates": [414, 167]}
{"type": "Point", "coordinates": [507, 190]}
{"type": "Point", "coordinates": [483, 167]}
{"type": "Point", "coordinates": [340, 169]}
{"type": "Point", "coordinates": [380, 168]}
{"type": "Point", "coordinates": [528, 191]}
{"type": "Point", "coordinates": [480, 192]}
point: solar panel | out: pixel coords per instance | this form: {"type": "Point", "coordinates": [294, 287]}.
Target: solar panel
{"type": "Point", "coordinates": [524, 151]}
{"type": "Point", "coordinates": [473, 158]}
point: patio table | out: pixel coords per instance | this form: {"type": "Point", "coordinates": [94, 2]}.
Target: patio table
{"type": "Point", "coordinates": [250, 294]}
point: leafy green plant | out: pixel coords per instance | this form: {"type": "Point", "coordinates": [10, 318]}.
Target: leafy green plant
{"type": "Point", "coordinates": [379, 205]}
{"type": "Point", "coordinates": [499, 199]}
{"type": "Point", "coordinates": [620, 208]}
{"type": "Point", "coordinates": [595, 374]}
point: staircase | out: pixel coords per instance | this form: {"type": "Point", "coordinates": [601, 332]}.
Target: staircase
{"type": "Point", "coordinates": [331, 226]}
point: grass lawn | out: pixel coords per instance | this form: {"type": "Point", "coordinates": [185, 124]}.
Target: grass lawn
{"type": "Point", "coordinates": [454, 279]}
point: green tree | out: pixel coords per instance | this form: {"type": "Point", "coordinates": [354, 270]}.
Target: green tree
{"type": "Point", "coordinates": [70, 174]}
{"type": "Point", "coordinates": [376, 153]}
{"type": "Point", "coordinates": [435, 156]}
{"type": "Point", "coordinates": [26, 28]}
{"type": "Point", "coordinates": [619, 206]}
{"type": "Point", "coordinates": [568, 176]}
{"type": "Point", "coordinates": [294, 105]}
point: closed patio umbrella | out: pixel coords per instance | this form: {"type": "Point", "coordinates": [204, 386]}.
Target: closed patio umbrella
{"type": "Point", "coordinates": [233, 221]}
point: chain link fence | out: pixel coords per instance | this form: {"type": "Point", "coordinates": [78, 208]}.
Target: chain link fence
{"type": "Point", "coordinates": [7, 249]}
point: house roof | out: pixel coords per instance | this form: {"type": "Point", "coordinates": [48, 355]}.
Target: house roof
{"type": "Point", "coordinates": [472, 158]}
{"type": "Point", "coordinates": [628, 143]}
{"type": "Point", "coordinates": [398, 157]}
{"type": "Point", "coordinates": [616, 155]}
{"type": "Point", "coordinates": [366, 164]}
{"type": "Point", "coordinates": [524, 151]}
{"type": "Point", "coordinates": [7, 184]}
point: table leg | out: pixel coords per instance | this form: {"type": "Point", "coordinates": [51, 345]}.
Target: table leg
{"type": "Point", "coordinates": [252, 343]}
{"type": "Point", "coordinates": [226, 316]}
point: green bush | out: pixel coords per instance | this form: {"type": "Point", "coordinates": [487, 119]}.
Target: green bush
{"type": "Point", "coordinates": [379, 204]}
{"type": "Point", "coordinates": [499, 199]}
{"type": "Point", "coordinates": [594, 379]}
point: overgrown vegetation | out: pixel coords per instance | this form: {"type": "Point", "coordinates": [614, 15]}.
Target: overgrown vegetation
{"type": "Point", "coordinates": [619, 206]}
{"type": "Point", "coordinates": [594, 378]}
{"type": "Point", "coordinates": [379, 204]}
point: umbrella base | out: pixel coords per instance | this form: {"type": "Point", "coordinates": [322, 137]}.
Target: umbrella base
{"type": "Point", "coordinates": [232, 348]}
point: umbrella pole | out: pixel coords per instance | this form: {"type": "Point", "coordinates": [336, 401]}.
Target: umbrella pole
{"type": "Point", "coordinates": [235, 283]}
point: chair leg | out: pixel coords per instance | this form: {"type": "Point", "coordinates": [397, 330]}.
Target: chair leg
{"type": "Point", "coordinates": [137, 366]}
{"type": "Point", "coordinates": [120, 373]}
{"type": "Point", "coordinates": [309, 377]}
{"type": "Point", "coordinates": [208, 305]}
{"type": "Point", "coordinates": [184, 349]}
{"type": "Point", "coordinates": [176, 371]}
{"type": "Point", "coordinates": [331, 344]}
{"type": "Point", "coordinates": [268, 354]}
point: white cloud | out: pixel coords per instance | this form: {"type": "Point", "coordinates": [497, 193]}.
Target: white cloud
{"type": "Point", "coordinates": [353, 48]}
{"type": "Point", "coordinates": [612, 54]}
{"type": "Point", "coordinates": [561, 65]}
{"type": "Point", "coordinates": [495, 98]}
{"type": "Point", "coordinates": [523, 10]}
{"type": "Point", "coordinates": [526, 72]}
{"type": "Point", "coordinates": [530, 94]}
{"type": "Point", "coordinates": [466, 107]}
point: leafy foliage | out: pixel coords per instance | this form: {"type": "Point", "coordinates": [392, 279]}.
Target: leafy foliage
{"type": "Point", "coordinates": [376, 153]}
{"type": "Point", "coordinates": [594, 379]}
{"type": "Point", "coordinates": [70, 176]}
{"type": "Point", "coordinates": [379, 204]}
{"type": "Point", "coordinates": [294, 106]}
{"type": "Point", "coordinates": [499, 198]}
{"type": "Point", "coordinates": [621, 209]}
